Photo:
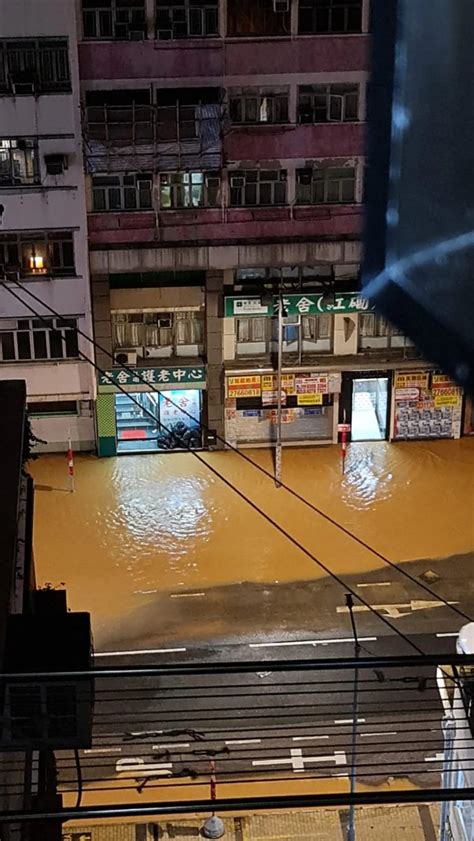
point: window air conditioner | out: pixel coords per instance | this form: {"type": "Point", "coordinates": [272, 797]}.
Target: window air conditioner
{"type": "Point", "coordinates": [136, 35]}
{"type": "Point", "coordinates": [281, 6]}
{"type": "Point", "coordinates": [55, 164]}
{"type": "Point", "coordinates": [23, 88]}
{"type": "Point", "coordinates": [237, 181]}
{"type": "Point", "coordinates": [126, 356]}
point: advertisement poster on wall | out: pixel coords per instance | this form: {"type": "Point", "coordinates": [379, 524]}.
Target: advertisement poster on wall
{"type": "Point", "coordinates": [426, 408]}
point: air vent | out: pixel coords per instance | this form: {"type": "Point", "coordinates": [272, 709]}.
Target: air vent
{"type": "Point", "coordinates": [55, 164]}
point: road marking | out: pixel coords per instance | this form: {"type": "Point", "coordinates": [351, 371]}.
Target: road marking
{"type": "Point", "coordinates": [381, 733]}
{"type": "Point", "coordinates": [137, 652]}
{"type": "Point", "coordinates": [185, 595]}
{"type": "Point", "coordinates": [298, 761]}
{"type": "Point", "coordinates": [309, 642]}
{"type": "Point", "coordinates": [376, 584]}
{"type": "Point", "coordinates": [307, 738]}
{"type": "Point", "coordinates": [450, 634]}
{"type": "Point", "coordinates": [438, 757]}
{"type": "Point", "coordinates": [349, 721]}
{"type": "Point", "coordinates": [137, 767]}
{"type": "Point", "coordinates": [394, 611]}
{"type": "Point", "coordinates": [103, 750]}
{"type": "Point", "coordinates": [243, 742]}
{"type": "Point", "coordinates": [175, 746]}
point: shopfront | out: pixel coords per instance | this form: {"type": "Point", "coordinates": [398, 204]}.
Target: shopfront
{"type": "Point", "coordinates": [365, 404]}
{"type": "Point", "coordinates": [426, 405]}
{"type": "Point", "coordinates": [150, 410]}
{"type": "Point", "coordinates": [307, 398]}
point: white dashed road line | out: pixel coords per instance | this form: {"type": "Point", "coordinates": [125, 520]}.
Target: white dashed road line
{"type": "Point", "coordinates": [349, 721]}
{"type": "Point", "coordinates": [243, 741]}
{"type": "Point", "coordinates": [138, 652]}
{"type": "Point", "coordinates": [309, 642]}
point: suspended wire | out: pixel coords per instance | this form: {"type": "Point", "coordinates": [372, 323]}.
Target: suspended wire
{"type": "Point", "coordinates": [262, 469]}
{"type": "Point", "coordinates": [233, 488]}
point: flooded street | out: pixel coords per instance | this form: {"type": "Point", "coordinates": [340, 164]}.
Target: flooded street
{"type": "Point", "coordinates": [148, 529]}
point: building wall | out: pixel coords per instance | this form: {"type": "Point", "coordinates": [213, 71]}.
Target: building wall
{"type": "Point", "coordinates": [56, 203]}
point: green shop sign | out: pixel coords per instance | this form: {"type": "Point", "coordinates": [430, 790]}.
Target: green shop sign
{"type": "Point", "coordinates": [160, 378]}
{"type": "Point", "coordinates": [298, 305]}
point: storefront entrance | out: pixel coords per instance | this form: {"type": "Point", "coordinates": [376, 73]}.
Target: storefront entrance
{"type": "Point", "coordinates": [365, 405]}
{"type": "Point", "coordinates": [369, 409]}
{"type": "Point", "coordinates": [157, 421]}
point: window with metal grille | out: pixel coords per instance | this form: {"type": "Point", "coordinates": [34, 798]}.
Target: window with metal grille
{"type": "Point", "coordinates": [189, 189]}
{"type": "Point", "coordinates": [122, 192]}
{"type": "Point", "coordinates": [19, 165]}
{"type": "Point", "coordinates": [317, 332]}
{"type": "Point", "coordinates": [37, 712]}
{"type": "Point", "coordinates": [251, 330]}
{"type": "Point", "coordinates": [253, 106]}
{"type": "Point", "coordinates": [34, 66]}
{"type": "Point", "coordinates": [187, 19]}
{"type": "Point", "coordinates": [327, 185]}
{"type": "Point", "coordinates": [328, 103]}
{"type": "Point", "coordinates": [253, 187]}
{"type": "Point", "coordinates": [323, 17]}
{"type": "Point", "coordinates": [121, 117]}
{"type": "Point", "coordinates": [38, 254]}
{"type": "Point", "coordinates": [119, 19]}
{"type": "Point", "coordinates": [291, 278]}
{"type": "Point", "coordinates": [33, 339]}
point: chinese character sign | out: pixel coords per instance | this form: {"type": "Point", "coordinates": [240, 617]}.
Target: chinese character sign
{"type": "Point", "coordinates": [309, 304]}
{"type": "Point", "coordinates": [156, 377]}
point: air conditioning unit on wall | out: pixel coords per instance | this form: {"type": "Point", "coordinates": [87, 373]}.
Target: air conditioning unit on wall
{"type": "Point", "coordinates": [126, 356]}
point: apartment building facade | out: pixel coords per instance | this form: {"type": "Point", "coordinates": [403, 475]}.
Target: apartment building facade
{"type": "Point", "coordinates": [43, 224]}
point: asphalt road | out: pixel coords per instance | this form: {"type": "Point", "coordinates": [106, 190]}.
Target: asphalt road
{"type": "Point", "coordinates": [266, 725]}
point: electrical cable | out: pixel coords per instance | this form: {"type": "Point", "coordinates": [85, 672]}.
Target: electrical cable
{"type": "Point", "coordinates": [262, 469]}
{"type": "Point", "coordinates": [239, 493]}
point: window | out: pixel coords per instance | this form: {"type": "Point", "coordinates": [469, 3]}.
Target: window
{"type": "Point", "coordinates": [34, 66]}
{"type": "Point", "coordinates": [253, 106]}
{"type": "Point", "coordinates": [18, 162]}
{"type": "Point", "coordinates": [189, 189]}
{"type": "Point", "coordinates": [323, 17]}
{"type": "Point", "coordinates": [122, 192]}
{"type": "Point", "coordinates": [375, 332]}
{"type": "Point", "coordinates": [257, 187]}
{"type": "Point", "coordinates": [38, 339]}
{"type": "Point", "coordinates": [327, 185]}
{"type": "Point", "coordinates": [159, 333]}
{"type": "Point", "coordinates": [187, 19]}
{"type": "Point", "coordinates": [328, 103]}
{"type": "Point", "coordinates": [256, 17]}
{"type": "Point", "coordinates": [316, 332]}
{"type": "Point", "coordinates": [38, 254]}
{"type": "Point", "coordinates": [114, 19]}
{"type": "Point", "coordinates": [53, 407]}
{"type": "Point", "coordinates": [250, 331]}
{"type": "Point", "coordinates": [122, 117]}
{"type": "Point", "coordinates": [292, 278]}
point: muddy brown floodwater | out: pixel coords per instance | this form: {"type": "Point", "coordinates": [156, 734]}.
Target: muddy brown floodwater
{"type": "Point", "coordinates": [140, 525]}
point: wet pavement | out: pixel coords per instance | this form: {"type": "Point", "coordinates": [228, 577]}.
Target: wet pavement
{"type": "Point", "coordinates": [161, 551]}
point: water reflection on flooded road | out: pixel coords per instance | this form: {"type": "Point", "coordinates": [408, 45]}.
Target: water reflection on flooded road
{"type": "Point", "coordinates": [141, 525]}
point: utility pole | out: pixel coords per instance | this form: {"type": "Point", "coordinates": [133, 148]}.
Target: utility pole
{"type": "Point", "coordinates": [351, 828]}
{"type": "Point", "coordinates": [278, 448]}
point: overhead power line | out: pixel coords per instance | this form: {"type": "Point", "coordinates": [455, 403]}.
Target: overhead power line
{"type": "Point", "coordinates": [212, 469]}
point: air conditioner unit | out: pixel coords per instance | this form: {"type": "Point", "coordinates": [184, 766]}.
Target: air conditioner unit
{"type": "Point", "coordinates": [304, 176]}
{"type": "Point", "coordinates": [164, 321]}
{"type": "Point", "coordinates": [23, 88]}
{"type": "Point", "coordinates": [126, 356]}
{"type": "Point", "coordinates": [237, 181]}
{"type": "Point", "coordinates": [153, 352]}
{"type": "Point", "coordinates": [136, 35]}
{"type": "Point", "coordinates": [56, 164]}
{"type": "Point", "coordinates": [281, 6]}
